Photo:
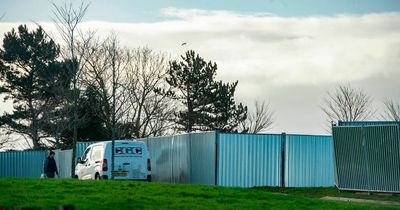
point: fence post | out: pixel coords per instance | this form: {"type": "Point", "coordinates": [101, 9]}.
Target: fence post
{"type": "Point", "coordinates": [283, 148]}
{"type": "Point", "coordinates": [216, 157]}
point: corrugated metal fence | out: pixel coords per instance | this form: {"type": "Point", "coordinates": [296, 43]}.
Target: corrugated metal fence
{"type": "Point", "coordinates": [368, 157]}
{"type": "Point", "coordinates": [243, 160]}
{"type": "Point", "coordinates": [247, 160]}
{"type": "Point", "coordinates": [22, 164]}
{"type": "Point", "coordinates": [309, 161]}
{"type": "Point", "coordinates": [29, 164]}
{"type": "Point", "coordinates": [213, 158]}
{"type": "Point", "coordinates": [187, 158]}
{"type": "Point", "coordinates": [202, 158]}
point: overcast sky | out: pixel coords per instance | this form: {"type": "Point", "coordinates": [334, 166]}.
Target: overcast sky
{"type": "Point", "coordinates": [290, 53]}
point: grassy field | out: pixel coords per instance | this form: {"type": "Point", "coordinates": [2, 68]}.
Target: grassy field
{"type": "Point", "coordinates": [50, 194]}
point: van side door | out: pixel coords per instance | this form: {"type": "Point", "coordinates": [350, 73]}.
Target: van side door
{"type": "Point", "coordinates": [95, 161]}
{"type": "Point", "coordinates": [85, 162]}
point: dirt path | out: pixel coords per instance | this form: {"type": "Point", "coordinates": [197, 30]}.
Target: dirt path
{"type": "Point", "coordinates": [358, 200]}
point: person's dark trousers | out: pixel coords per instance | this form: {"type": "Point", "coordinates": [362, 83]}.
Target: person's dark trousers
{"type": "Point", "coordinates": [50, 174]}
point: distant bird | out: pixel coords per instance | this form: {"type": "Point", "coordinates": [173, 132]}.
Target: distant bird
{"type": "Point", "coordinates": [183, 43]}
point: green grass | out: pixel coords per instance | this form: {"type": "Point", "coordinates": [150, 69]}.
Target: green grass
{"type": "Point", "coordinates": [50, 194]}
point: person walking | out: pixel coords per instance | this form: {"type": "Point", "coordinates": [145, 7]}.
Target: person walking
{"type": "Point", "coordinates": [50, 166]}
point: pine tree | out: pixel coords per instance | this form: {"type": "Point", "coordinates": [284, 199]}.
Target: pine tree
{"type": "Point", "coordinates": [206, 104]}
{"type": "Point", "coordinates": [228, 115]}
{"type": "Point", "coordinates": [29, 74]}
{"type": "Point", "coordinates": [91, 125]}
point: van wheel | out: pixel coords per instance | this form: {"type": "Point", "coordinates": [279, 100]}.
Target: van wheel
{"type": "Point", "coordinates": [97, 177]}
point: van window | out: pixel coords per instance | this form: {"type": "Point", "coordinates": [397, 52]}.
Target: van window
{"type": "Point", "coordinates": [85, 154]}
{"type": "Point", "coordinates": [96, 153]}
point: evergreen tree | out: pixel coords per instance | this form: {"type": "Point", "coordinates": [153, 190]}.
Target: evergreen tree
{"type": "Point", "coordinates": [29, 74]}
{"type": "Point", "coordinates": [207, 104]}
{"type": "Point", "coordinates": [91, 125]}
{"type": "Point", "coordinates": [56, 83]}
{"type": "Point", "coordinates": [227, 115]}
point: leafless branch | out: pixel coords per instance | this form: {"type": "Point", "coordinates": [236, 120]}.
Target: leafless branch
{"type": "Point", "coordinates": [392, 110]}
{"type": "Point", "coordinates": [261, 119]}
{"type": "Point", "coordinates": [347, 104]}
{"type": "Point", "coordinates": [67, 18]}
{"type": "Point", "coordinates": [150, 112]}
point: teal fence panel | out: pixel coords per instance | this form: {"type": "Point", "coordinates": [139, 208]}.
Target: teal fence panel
{"type": "Point", "coordinates": [22, 164]}
{"type": "Point", "coordinates": [169, 158]}
{"type": "Point", "coordinates": [203, 158]}
{"type": "Point", "coordinates": [248, 160]}
{"type": "Point", "coordinates": [186, 158]}
{"type": "Point", "coordinates": [309, 161]}
{"type": "Point", "coordinates": [367, 157]}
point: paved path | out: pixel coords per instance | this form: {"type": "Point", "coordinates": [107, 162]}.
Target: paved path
{"type": "Point", "coordinates": [358, 200]}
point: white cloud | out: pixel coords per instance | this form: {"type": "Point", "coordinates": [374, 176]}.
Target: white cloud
{"type": "Point", "coordinates": [299, 57]}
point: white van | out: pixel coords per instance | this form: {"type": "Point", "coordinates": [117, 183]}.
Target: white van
{"type": "Point", "coordinates": [131, 161]}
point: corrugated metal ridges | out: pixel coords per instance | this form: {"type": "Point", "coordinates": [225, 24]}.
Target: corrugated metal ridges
{"type": "Point", "coordinates": [187, 158]}
{"type": "Point", "coordinates": [246, 160]}
{"type": "Point", "coordinates": [350, 159]}
{"type": "Point", "coordinates": [170, 158]}
{"type": "Point", "coordinates": [309, 161]}
{"type": "Point", "coordinates": [25, 164]}
{"type": "Point", "coordinates": [160, 150]}
{"type": "Point", "coordinates": [181, 159]}
{"type": "Point", "coordinates": [202, 158]}
{"type": "Point", "coordinates": [368, 158]}
{"type": "Point", "coordinates": [383, 157]}
{"type": "Point", "coordinates": [367, 123]}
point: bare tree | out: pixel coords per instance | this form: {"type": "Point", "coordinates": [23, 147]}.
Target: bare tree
{"type": "Point", "coordinates": [347, 104]}
{"type": "Point", "coordinates": [119, 60]}
{"type": "Point", "coordinates": [118, 63]}
{"type": "Point", "coordinates": [67, 18]}
{"type": "Point", "coordinates": [261, 119]}
{"type": "Point", "coordinates": [151, 113]}
{"type": "Point", "coordinates": [392, 110]}
{"type": "Point", "coordinates": [104, 67]}
{"type": "Point", "coordinates": [126, 80]}
{"type": "Point", "coordinates": [97, 74]}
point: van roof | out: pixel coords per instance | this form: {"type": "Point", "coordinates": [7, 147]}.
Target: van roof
{"type": "Point", "coordinates": [118, 141]}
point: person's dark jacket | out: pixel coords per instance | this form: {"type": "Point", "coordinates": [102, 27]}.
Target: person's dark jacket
{"type": "Point", "coordinates": [50, 167]}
